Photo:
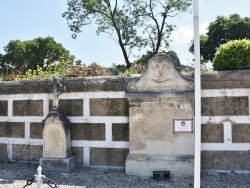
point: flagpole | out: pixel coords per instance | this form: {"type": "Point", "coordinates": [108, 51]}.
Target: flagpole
{"type": "Point", "coordinates": [197, 153]}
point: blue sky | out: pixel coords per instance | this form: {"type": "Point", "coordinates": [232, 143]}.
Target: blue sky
{"type": "Point", "coordinates": [29, 19]}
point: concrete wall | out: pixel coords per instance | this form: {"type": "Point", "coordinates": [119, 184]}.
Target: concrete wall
{"type": "Point", "coordinates": [225, 121]}
{"type": "Point", "coordinates": [98, 112]}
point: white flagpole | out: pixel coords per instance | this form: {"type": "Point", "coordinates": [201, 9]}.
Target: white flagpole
{"type": "Point", "coordinates": [197, 153]}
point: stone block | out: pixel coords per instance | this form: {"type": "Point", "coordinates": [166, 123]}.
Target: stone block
{"type": "Point", "coordinates": [27, 108]}
{"type": "Point", "coordinates": [78, 153]}
{"type": "Point", "coordinates": [70, 107]}
{"type": "Point", "coordinates": [12, 129]}
{"type": "Point", "coordinates": [3, 152]}
{"type": "Point", "coordinates": [36, 130]}
{"type": "Point", "coordinates": [241, 133]}
{"type": "Point", "coordinates": [212, 133]}
{"type": "Point", "coordinates": [56, 136]}
{"type": "Point", "coordinates": [4, 108]}
{"type": "Point", "coordinates": [120, 132]}
{"type": "Point", "coordinates": [220, 106]}
{"type": "Point", "coordinates": [225, 79]}
{"type": "Point", "coordinates": [87, 131]}
{"type": "Point", "coordinates": [144, 165]}
{"type": "Point", "coordinates": [225, 160]}
{"type": "Point", "coordinates": [27, 152]}
{"type": "Point", "coordinates": [58, 164]}
{"type": "Point", "coordinates": [108, 156]}
{"type": "Point", "coordinates": [109, 107]}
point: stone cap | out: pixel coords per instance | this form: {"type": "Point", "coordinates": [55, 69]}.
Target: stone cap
{"type": "Point", "coordinates": [161, 75]}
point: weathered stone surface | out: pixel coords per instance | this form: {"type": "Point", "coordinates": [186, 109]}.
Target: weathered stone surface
{"type": "Point", "coordinates": [4, 108]}
{"type": "Point", "coordinates": [161, 75]}
{"type": "Point", "coordinates": [225, 79]}
{"type": "Point", "coordinates": [178, 165]}
{"type": "Point", "coordinates": [87, 131]}
{"type": "Point", "coordinates": [26, 152]}
{"type": "Point", "coordinates": [120, 132]}
{"type": "Point", "coordinates": [3, 152]}
{"type": "Point", "coordinates": [108, 156]}
{"type": "Point", "coordinates": [12, 129]}
{"type": "Point", "coordinates": [28, 108]}
{"type": "Point", "coordinates": [58, 164]}
{"type": "Point", "coordinates": [214, 80]}
{"type": "Point", "coordinates": [219, 106]}
{"type": "Point", "coordinates": [78, 153]}
{"type": "Point", "coordinates": [36, 130]}
{"type": "Point", "coordinates": [109, 107]}
{"type": "Point", "coordinates": [87, 84]}
{"type": "Point", "coordinates": [158, 97]}
{"type": "Point", "coordinates": [225, 160]}
{"type": "Point", "coordinates": [212, 133]}
{"type": "Point", "coordinates": [151, 127]}
{"type": "Point", "coordinates": [56, 136]}
{"type": "Point", "coordinates": [241, 133]}
{"type": "Point", "coordinates": [70, 107]}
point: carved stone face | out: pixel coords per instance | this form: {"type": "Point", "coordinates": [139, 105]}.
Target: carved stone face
{"type": "Point", "coordinates": [161, 71]}
{"type": "Point", "coordinates": [161, 75]}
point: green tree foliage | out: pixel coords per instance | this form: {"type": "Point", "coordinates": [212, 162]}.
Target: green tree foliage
{"type": "Point", "coordinates": [32, 53]}
{"type": "Point", "coordinates": [222, 30]}
{"type": "Point", "coordinates": [154, 16]}
{"type": "Point", "coordinates": [131, 23]}
{"type": "Point", "coordinates": [234, 55]}
{"type": "Point", "coordinates": [144, 59]}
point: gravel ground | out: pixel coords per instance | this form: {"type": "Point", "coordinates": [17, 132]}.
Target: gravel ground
{"type": "Point", "coordinates": [15, 175]}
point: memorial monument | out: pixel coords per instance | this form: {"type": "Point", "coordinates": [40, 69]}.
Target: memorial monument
{"type": "Point", "coordinates": [57, 155]}
{"type": "Point", "coordinates": [161, 113]}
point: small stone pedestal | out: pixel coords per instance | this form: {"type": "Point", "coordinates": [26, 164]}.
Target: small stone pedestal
{"type": "Point", "coordinates": [57, 154]}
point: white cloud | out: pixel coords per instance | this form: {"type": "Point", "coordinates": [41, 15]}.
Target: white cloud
{"type": "Point", "coordinates": [184, 34]}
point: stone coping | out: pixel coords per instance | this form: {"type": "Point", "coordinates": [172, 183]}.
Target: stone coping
{"type": "Point", "coordinates": [209, 80]}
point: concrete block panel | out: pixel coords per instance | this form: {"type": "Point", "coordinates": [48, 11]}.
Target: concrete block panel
{"type": "Point", "coordinates": [3, 152]}
{"type": "Point", "coordinates": [78, 153]}
{"type": "Point", "coordinates": [70, 107]}
{"type": "Point", "coordinates": [28, 108]}
{"type": "Point", "coordinates": [225, 160]}
{"type": "Point", "coordinates": [36, 130]}
{"type": "Point", "coordinates": [12, 129]}
{"type": "Point", "coordinates": [109, 107]}
{"type": "Point", "coordinates": [120, 132]}
{"type": "Point", "coordinates": [87, 131]}
{"type": "Point", "coordinates": [241, 133]}
{"type": "Point", "coordinates": [108, 156]}
{"type": "Point", "coordinates": [219, 106]}
{"type": "Point", "coordinates": [212, 133]}
{"type": "Point", "coordinates": [4, 108]}
{"type": "Point", "coordinates": [27, 152]}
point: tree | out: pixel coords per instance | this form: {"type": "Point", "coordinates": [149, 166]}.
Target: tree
{"type": "Point", "coordinates": [127, 22]}
{"type": "Point", "coordinates": [221, 31]}
{"type": "Point", "coordinates": [154, 17]}
{"type": "Point", "coordinates": [144, 59]}
{"type": "Point", "coordinates": [28, 54]}
{"type": "Point", "coordinates": [233, 55]}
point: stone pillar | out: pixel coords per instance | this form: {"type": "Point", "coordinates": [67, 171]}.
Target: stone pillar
{"type": "Point", "coordinates": [157, 99]}
{"type": "Point", "coordinates": [57, 155]}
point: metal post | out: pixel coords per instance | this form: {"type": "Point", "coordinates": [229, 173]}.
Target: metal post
{"type": "Point", "coordinates": [197, 153]}
{"type": "Point", "coordinates": [39, 177]}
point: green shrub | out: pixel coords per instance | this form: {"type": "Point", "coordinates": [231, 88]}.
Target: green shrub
{"type": "Point", "coordinates": [233, 55]}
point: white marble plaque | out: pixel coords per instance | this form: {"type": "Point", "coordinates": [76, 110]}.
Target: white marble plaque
{"type": "Point", "coordinates": [183, 125]}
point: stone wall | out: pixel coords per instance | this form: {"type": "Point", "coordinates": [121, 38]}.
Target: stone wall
{"type": "Point", "coordinates": [98, 111]}
{"type": "Point", "coordinates": [225, 129]}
